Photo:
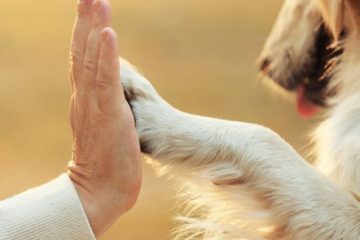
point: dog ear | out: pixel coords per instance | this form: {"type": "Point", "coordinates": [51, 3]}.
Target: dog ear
{"type": "Point", "coordinates": [334, 15]}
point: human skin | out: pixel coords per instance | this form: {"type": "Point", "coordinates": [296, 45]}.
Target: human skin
{"type": "Point", "coordinates": [105, 167]}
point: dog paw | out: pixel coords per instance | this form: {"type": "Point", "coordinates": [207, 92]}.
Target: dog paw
{"type": "Point", "coordinates": [149, 109]}
{"type": "Point", "coordinates": [135, 86]}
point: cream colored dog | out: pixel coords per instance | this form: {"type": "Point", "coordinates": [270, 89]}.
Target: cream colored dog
{"type": "Point", "coordinates": [243, 181]}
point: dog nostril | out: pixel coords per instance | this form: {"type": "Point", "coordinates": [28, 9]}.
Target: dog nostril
{"type": "Point", "coordinates": [265, 64]}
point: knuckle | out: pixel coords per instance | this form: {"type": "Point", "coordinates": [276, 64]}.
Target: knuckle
{"type": "Point", "coordinates": [72, 77]}
{"type": "Point", "coordinates": [105, 79]}
{"type": "Point", "coordinates": [75, 55]}
{"type": "Point", "coordinates": [75, 63]}
{"type": "Point", "coordinates": [102, 84]}
{"type": "Point", "coordinates": [74, 74]}
{"type": "Point", "coordinates": [90, 65]}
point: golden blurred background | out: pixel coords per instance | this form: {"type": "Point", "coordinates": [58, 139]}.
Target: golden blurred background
{"type": "Point", "coordinates": [199, 54]}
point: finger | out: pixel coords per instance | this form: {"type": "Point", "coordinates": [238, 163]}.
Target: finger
{"type": "Point", "coordinates": [101, 19]}
{"type": "Point", "coordinates": [80, 35]}
{"type": "Point", "coordinates": [108, 86]}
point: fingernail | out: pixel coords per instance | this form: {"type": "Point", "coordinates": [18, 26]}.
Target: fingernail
{"type": "Point", "coordinates": [105, 35]}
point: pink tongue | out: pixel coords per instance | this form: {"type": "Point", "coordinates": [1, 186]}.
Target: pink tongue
{"type": "Point", "coordinates": [305, 108]}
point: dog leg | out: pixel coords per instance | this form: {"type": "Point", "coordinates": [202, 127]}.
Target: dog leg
{"type": "Point", "coordinates": [241, 180]}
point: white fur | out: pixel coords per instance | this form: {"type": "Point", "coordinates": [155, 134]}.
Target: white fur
{"type": "Point", "coordinates": [337, 142]}
{"type": "Point", "coordinates": [243, 181]}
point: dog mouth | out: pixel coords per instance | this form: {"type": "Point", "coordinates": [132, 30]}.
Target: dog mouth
{"type": "Point", "coordinates": [310, 81]}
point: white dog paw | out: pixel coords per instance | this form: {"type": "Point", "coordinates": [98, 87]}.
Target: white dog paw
{"type": "Point", "coordinates": [134, 84]}
{"type": "Point", "coordinates": [148, 108]}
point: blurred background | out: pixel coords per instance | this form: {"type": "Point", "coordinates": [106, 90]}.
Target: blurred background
{"type": "Point", "coordinates": [199, 54]}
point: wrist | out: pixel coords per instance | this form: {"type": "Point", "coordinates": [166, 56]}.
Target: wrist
{"type": "Point", "coordinates": [101, 208]}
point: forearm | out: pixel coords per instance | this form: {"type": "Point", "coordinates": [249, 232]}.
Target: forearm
{"type": "Point", "coordinates": [50, 211]}
{"type": "Point", "coordinates": [251, 157]}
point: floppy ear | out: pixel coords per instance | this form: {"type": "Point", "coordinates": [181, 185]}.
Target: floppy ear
{"type": "Point", "coordinates": [334, 14]}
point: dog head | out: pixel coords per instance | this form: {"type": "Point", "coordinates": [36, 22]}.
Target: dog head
{"type": "Point", "coordinates": [305, 47]}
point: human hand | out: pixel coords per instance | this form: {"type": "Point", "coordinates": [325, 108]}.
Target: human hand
{"type": "Point", "coordinates": [105, 168]}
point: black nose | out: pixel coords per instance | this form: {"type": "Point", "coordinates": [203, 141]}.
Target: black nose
{"type": "Point", "coordinates": [264, 65]}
